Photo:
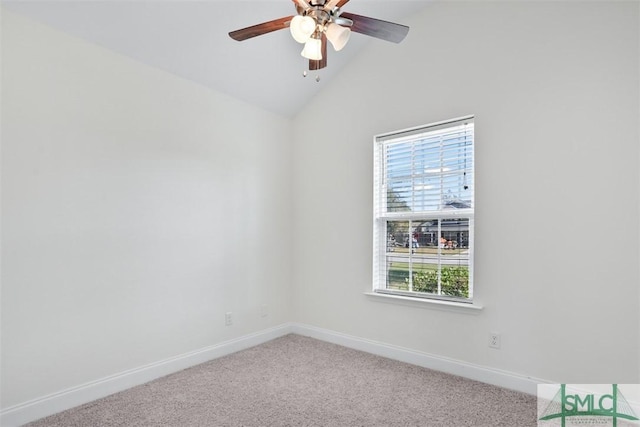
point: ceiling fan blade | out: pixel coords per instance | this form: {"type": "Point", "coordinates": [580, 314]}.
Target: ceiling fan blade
{"type": "Point", "coordinates": [333, 3]}
{"type": "Point", "coordinates": [377, 28]}
{"type": "Point", "coordinates": [303, 4]}
{"type": "Point", "coordinates": [317, 65]}
{"type": "Point", "coordinates": [260, 29]}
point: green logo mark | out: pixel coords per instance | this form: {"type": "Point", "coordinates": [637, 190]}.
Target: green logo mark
{"type": "Point", "coordinates": [565, 405]}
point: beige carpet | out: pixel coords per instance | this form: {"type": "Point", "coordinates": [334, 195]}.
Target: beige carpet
{"type": "Point", "coordinates": [299, 381]}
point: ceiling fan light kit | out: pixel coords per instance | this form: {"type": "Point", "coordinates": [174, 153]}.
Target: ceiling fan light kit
{"type": "Point", "coordinates": [319, 21]}
{"type": "Point", "coordinates": [338, 35]}
{"type": "Point", "coordinates": [312, 49]}
{"type": "Point", "coordinates": [302, 27]}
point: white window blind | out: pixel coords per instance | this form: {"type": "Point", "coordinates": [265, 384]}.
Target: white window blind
{"type": "Point", "coordinates": [423, 210]}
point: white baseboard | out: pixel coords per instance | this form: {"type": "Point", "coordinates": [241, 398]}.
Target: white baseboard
{"type": "Point", "coordinates": [38, 408]}
{"type": "Point", "coordinates": [75, 396]}
{"type": "Point", "coordinates": [483, 374]}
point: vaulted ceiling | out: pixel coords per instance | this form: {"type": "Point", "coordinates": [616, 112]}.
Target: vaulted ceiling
{"type": "Point", "coordinates": [190, 39]}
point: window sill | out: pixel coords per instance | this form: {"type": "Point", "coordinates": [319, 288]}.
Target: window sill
{"type": "Point", "coordinates": [469, 308]}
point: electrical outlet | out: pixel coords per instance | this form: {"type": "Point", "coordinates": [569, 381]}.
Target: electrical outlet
{"type": "Point", "coordinates": [264, 310]}
{"type": "Point", "coordinates": [228, 318]}
{"type": "Point", "coordinates": [494, 340]}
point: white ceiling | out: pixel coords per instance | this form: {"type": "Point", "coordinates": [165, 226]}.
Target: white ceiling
{"type": "Point", "coordinates": [190, 39]}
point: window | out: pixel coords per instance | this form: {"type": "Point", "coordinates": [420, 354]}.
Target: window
{"type": "Point", "coordinates": [423, 211]}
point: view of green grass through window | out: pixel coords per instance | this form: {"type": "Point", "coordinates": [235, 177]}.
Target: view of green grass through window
{"type": "Point", "coordinates": [424, 211]}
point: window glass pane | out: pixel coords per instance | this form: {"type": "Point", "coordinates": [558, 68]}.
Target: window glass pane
{"type": "Point", "coordinates": [397, 275]}
{"type": "Point", "coordinates": [426, 261]}
{"type": "Point", "coordinates": [454, 249]}
{"type": "Point", "coordinates": [425, 278]}
{"type": "Point", "coordinates": [399, 196]}
{"type": "Point", "coordinates": [397, 258]}
{"type": "Point", "coordinates": [399, 161]}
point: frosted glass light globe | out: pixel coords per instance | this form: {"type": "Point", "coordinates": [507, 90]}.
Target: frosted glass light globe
{"type": "Point", "coordinates": [302, 27]}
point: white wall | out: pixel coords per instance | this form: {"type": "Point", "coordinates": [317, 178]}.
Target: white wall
{"type": "Point", "coordinates": [137, 209]}
{"type": "Point", "coordinates": [554, 88]}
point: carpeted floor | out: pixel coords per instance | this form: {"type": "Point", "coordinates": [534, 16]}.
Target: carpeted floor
{"type": "Point", "coordinates": [299, 381]}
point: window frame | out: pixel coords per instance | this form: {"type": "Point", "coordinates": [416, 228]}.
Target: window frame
{"type": "Point", "coordinates": [381, 216]}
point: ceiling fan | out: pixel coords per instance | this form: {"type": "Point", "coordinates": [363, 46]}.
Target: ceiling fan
{"type": "Point", "coordinates": [320, 20]}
